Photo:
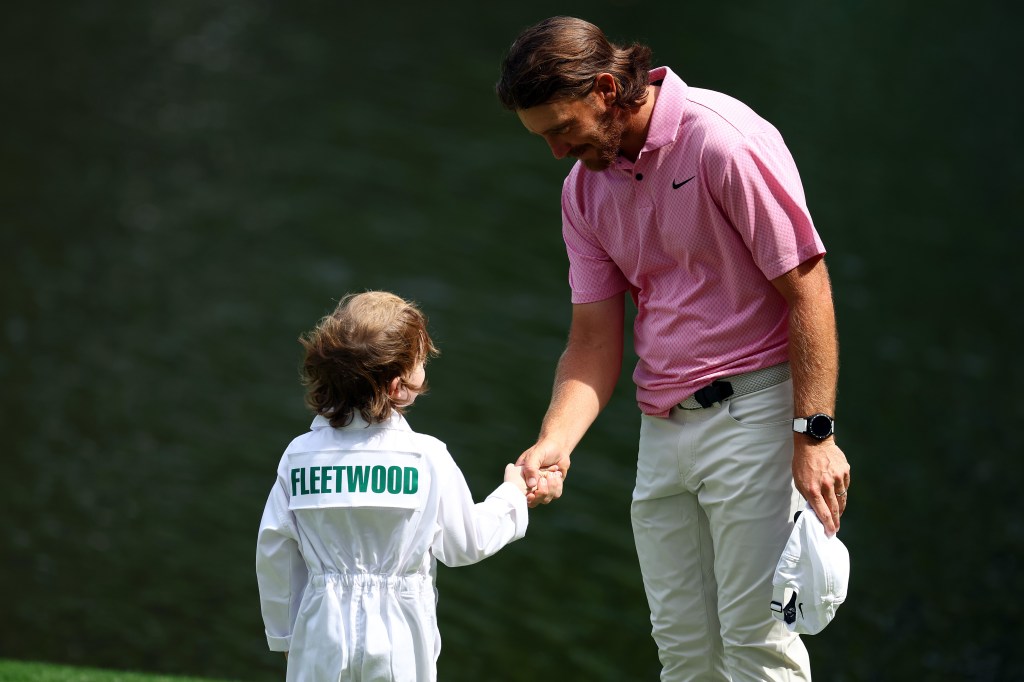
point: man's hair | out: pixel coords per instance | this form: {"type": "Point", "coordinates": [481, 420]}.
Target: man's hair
{"type": "Point", "coordinates": [561, 58]}
{"type": "Point", "coordinates": [353, 354]}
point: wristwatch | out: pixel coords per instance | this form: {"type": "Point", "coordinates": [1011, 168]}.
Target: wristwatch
{"type": "Point", "coordinates": [819, 426]}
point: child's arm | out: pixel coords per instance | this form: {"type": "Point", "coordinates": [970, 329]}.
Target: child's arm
{"type": "Point", "coordinates": [471, 532]}
{"type": "Point", "coordinates": [280, 570]}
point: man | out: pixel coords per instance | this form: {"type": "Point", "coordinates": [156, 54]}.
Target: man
{"type": "Point", "coordinates": [690, 202]}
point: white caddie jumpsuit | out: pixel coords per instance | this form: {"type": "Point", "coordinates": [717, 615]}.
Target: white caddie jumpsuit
{"type": "Point", "coordinates": [348, 547]}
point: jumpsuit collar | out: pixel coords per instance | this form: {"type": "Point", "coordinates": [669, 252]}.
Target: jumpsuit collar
{"type": "Point", "coordinates": [395, 421]}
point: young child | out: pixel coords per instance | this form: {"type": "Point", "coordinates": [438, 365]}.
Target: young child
{"type": "Point", "coordinates": [364, 507]}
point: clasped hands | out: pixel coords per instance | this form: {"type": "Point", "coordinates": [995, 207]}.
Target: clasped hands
{"type": "Point", "coordinates": [547, 486]}
{"type": "Point", "coordinates": [544, 473]}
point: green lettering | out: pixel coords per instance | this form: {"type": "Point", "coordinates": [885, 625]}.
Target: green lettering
{"type": "Point", "coordinates": [411, 480]}
{"type": "Point", "coordinates": [295, 482]}
{"type": "Point", "coordinates": [337, 478]}
{"type": "Point", "coordinates": [358, 477]}
{"type": "Point", "coordinates": [314, 480]}
{"type": "Point", "coordinates": [305, 490]}
{"type": "Point", "coordinates": [394, 480]}
{"type": "Point", "coordinates": [325, 486]}
{"type": "Point", "coordinates": [380, 477]}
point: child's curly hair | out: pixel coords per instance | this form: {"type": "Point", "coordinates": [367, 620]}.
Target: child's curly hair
{"type": "Point", "coordinates": [353, 354]}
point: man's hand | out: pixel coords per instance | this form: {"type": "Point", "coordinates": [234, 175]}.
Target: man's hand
{"type": "Point", "coordinates": [544, 469]}
{"type": "Point", "coordinates": [822, 475]}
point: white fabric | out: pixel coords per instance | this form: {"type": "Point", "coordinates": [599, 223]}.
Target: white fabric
{"type": "Point", "coordinates": [347, 549]}
{"type": "Point", "coordinates": [813, 572]}
{"type": "Point", "coordinates": [711, 512]}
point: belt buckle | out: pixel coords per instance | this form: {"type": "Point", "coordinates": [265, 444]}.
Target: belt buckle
{"type": "Point", "coordinates": [714, 393]}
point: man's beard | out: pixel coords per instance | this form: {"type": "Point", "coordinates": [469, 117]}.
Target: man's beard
{"type": "Point", "coordinates": [610, 126]}
{"type": "Point", "coordinates": [609, 139]}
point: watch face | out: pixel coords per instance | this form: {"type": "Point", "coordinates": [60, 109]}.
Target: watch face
{"type": "Point", "coordinates": [820, 426]}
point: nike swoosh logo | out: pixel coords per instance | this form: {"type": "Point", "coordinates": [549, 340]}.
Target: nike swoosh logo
{"type": "Point", "coordinates": [676, 185]}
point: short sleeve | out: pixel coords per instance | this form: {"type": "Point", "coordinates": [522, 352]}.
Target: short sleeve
{"type": "Point", "coordinates": [763, 197]}
{"type": "Point", "coordinates": [593, 275]}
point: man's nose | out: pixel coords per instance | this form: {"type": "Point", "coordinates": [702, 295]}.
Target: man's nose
{"type": "Point", "coordinates": [558, 149]}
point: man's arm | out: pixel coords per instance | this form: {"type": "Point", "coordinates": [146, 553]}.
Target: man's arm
{"type": "Point", "coordinates": [820, 469]}
{"type": "Point", "coordinates": [584, 381]}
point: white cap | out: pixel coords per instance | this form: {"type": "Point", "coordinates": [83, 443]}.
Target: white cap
{"type": "Point", "coordinates": [812, 577]}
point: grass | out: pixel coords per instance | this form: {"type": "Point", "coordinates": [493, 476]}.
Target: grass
{"type": "Point", "coordinates": [24, 671]}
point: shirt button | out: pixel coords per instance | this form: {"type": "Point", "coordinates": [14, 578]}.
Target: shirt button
{"type": "Point", "coordinates": [639, 176]}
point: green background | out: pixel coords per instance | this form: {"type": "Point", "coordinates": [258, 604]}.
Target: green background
{"type": "Point", "coordinates": [187, 186]}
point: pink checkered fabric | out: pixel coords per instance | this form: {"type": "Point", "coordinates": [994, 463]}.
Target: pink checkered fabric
{"type": "Point", "coordinates": [712, 210]}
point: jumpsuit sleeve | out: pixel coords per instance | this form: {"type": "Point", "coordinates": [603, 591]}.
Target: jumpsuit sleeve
{"type": "Point", "coordinates": [280, 569]}
{"type": "Point", "coordinates": [467, 532]}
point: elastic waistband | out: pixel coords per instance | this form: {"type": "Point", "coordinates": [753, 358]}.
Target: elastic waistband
{"type": "Point", "coordinates": [740, 384]}
{"type": "Point", "coordinates": [371, 580]}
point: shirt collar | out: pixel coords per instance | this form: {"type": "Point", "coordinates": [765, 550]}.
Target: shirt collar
{"type": "Point", "coordinates": [395, 421]}
{"type": "Point", "coordinates": [667, 114]}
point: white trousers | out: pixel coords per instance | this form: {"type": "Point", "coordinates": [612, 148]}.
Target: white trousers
{"type": "Point", "coordinates": [365, 628]}
{"type": "Point", "coordinates": [712, 509]}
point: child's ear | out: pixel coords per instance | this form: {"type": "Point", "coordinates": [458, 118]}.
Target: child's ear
{"type": "Point", "coordinates": [394, 388]}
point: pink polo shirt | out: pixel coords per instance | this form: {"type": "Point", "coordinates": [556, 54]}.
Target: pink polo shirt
{"type": "Point", "coordinates": [712, 210]}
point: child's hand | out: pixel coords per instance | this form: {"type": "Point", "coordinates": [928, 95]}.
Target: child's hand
{"type": "Point", "coordinates": [514, 474]}
{"type": "Point", "coordinates": [551, 476]}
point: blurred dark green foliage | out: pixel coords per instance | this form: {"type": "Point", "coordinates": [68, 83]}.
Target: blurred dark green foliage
{"type": "Point", "coordinates": [187, 186]}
